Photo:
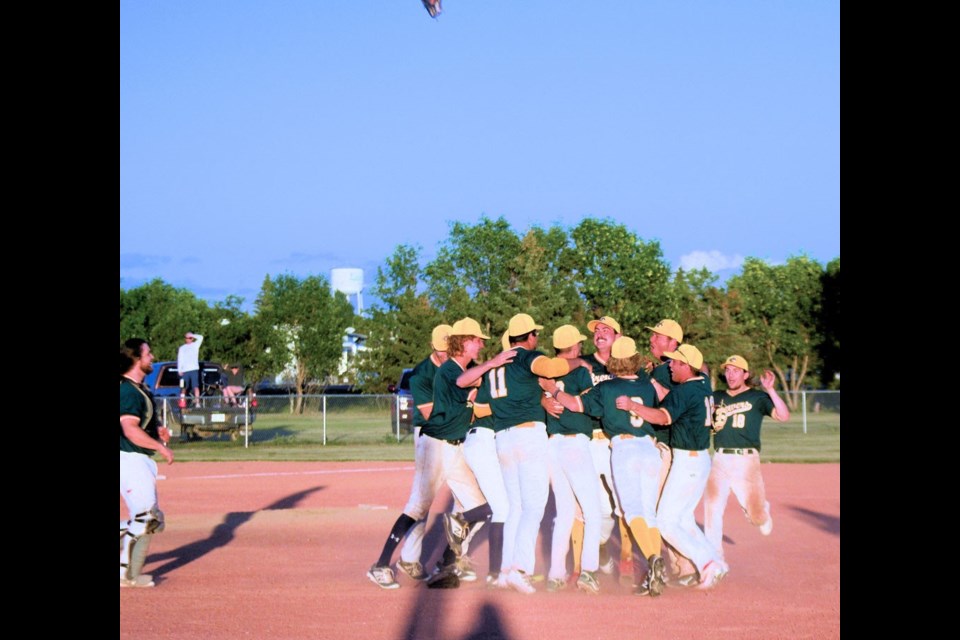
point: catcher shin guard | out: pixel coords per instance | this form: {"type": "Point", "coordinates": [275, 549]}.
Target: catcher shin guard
{"type": "Point", "coordinates": [134, 555]}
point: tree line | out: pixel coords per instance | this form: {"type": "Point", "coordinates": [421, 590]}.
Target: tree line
{"type": "Point", "coordinates": [783, 317]}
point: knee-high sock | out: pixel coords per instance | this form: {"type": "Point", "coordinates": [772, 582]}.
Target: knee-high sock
{"type": "Point", "coordinates": [496, 546]}
{"type": "Point", "coordinates": [645, 538]}
{"type": "Point", "coordinates": [626, 549]}
{"type": "Point", "coordinates": [403, 524]}
{"type": "Point", "coordinates": [576, 544]}
{"type": "Point", "coordinates": [656, 541]}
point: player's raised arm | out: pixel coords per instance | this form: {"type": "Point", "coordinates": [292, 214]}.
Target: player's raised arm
{"type": "Point", "coordinates": [780, 412]}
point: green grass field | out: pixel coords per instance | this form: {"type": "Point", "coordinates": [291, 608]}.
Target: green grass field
{"type": "Point", "coordinates": [364, 433]}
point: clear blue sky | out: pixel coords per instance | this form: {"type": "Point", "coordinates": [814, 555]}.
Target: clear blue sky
{"type": "Point", "coordinates": [294, 137]}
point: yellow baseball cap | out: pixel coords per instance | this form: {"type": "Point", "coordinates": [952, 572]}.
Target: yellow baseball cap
{"type": "Point", "coordinates": [687, 353]}
{"type": "Point", "coordinates": [607, 320]}
{"type": "Point", "coordinates": [467, 327]}
{"type": "Point", "coordinates": [438, 340]}
{"type": "Point", "coordinates": [521, 324]}
{"type": "Point", "coordinates": [669, 328]}
{"type": "Point", "coordinates": [736, 361]}
{"type": "Point", "coordinates": [505, 340]}
{"type": "Point", "coordinates": [567, 336]}
{"type": "Point", "coordinates": [623, 347]}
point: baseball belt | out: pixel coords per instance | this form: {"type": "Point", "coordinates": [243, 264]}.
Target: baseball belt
{"type": "Point", "coordinates": [739, 452]}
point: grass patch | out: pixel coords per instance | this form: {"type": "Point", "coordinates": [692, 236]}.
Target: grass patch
{"type": "Point", "coordinates": [365, 434]}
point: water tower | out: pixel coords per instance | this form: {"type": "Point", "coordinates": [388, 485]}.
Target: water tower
{"type": "Point", "coordinates": [350, 282]}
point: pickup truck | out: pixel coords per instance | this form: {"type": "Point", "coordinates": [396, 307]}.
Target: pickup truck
{"type": "Point", "coordinates": [215, 414]}
{"type": "Point", "coordinates": [404, 401]}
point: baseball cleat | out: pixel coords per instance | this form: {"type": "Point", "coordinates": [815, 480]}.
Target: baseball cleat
{"type": "Point", "coordinates": [712, 574]}
{"type": "Point", "coordinates": [464, 569]}
{"type": "Point", "coordinates": [413, 569]}
{"type": "Point", "coordinates": [383, 577]}
{"type": "Point", "coordinates": [642, 589]}
{"type": "Point", "coordinates": [588, 582]}
{"type": "Point", "coordinates": [656, 575]}
{"type": "Point", "coordinates": [142, 581]}
{"type": "Point", "coordinates": [556, 584]}
{"type": "Point", "coordinates": [689, 580]}
{"type": "Point", "coordinates": [518, 581]}
{"type": "Point", "coordinates": [496, 581]}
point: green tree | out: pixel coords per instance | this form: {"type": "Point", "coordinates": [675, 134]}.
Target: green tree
{"type": "Point", "coordinates": [161, 314]}
{"type": "Point", "coordinates": [398, 328]}
{"type": "Point", "coordinates": [237, 337]}
{"type": "Point", "coordinates": [311, 323]}
{"type": "Point", "coordinates": [779, 306]}
{"type": "Point", "coordinates": [619, 274]}
{"type": "Point", "coordinates": [708, 316]}
{"type": "Point", "coordinates": [489, 272]}
{"type": "Point", "coordinates": [830, 325]}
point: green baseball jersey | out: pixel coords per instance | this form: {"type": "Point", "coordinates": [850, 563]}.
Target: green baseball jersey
{"type": "Point", "coordinates": [136, 400]}
{"type": "Point", "coordinates": [421, 387]}
{"type": "Point", "coordinates": [691, 415]}
{"type": "Point", "coordinates": [661, 373]}
{"type": "Point", "coordinates": [599, 371]}
{"type": "Point", "coordinates": [452, 409]}
{"type": "Point", "coordinates": [515, 392]}
{"type": "Point", "coordinates": [601, 401]}
{"type": "Point", "coordinates": [483, 398]}
{"type": "Point", "coordinates": [737, 419]}
{"type": "Point", "coordinates": [574, 383]}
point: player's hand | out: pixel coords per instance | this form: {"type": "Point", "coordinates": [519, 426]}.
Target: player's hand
{"type": "Point", "coordinates": [664, 449]}
{"type": "Point", "coordinates": [503, 358]}
{"type": "Point", "coordinates": [768, 381]}
{"type": "Point", "coordinates": [548, 384]}
{"type": "Point", "coordinates": [551, 406]}
{"type": "Point", "coordinates": [166, 453]}
{"type": "Point", "coordinates": [164, 434]}
{"type": "Point", "coordinates": [625, 403]}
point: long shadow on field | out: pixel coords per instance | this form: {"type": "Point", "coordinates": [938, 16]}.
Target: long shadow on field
{"type": "Point", "coordinates": [427, 618]}
{"type": "Point", "coordinates": [221, 535]}
{"type": "Point", "coordinates": [824, 521]}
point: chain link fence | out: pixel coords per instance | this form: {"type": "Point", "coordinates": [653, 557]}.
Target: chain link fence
{"type": "Point", "coordinates": [375, 419]}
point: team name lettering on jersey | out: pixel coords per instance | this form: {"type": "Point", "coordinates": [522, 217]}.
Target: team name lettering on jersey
{"type": "Point", "coordinates": [724, 411]}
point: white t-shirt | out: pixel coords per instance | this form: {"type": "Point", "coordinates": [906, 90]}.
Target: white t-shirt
{"type": "Point", "coordinates": [188, 355]}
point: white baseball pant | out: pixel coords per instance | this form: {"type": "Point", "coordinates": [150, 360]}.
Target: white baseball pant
{"type": "Point", "coordinates": [574, 481]}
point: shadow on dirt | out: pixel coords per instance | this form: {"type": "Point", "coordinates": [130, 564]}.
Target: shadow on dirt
{"type": "Point", "coordinates": [221, 535]}
{"type": "Point", "coordinates": [824, 521]}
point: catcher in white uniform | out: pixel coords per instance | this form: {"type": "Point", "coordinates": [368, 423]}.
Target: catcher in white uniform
{"type": "Point", "coordinates": [738, 416]}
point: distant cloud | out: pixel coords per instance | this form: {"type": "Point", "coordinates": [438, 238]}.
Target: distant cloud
{"type": "Point", "coordinates": [300, 257]}
{"type": "Point", "coordinates": [712, 260]}
{"type": "Point", "coordinates": [142, 261]}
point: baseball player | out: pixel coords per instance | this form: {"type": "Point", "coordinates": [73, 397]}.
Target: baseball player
{"type": "Point", "coordinates": [635, 457]}
{"type": "Point", "coordinates": [522, 445]}
{"type": "Point", "coordinates": [605, 332]}
{"type": "Point", "coordinates": [480, 452]}
{"type": "Point", "coordinates": [426, 478]}
{"type": "Point", "coordinates": [738, 416]}
{"type": "Point", "coordinates": [449, 422]}
{"type": "Point", "coordinates": [665, 336]}
{"type": "Point", "coordinates": [572, 474]}
{"type": "Point", "coordinates": [140, 435]}
{"type": "Point", "coordinates": [687, 409]}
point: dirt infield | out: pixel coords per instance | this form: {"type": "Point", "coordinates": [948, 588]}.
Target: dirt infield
{"type": "Point", "coordinates": [280, 550]}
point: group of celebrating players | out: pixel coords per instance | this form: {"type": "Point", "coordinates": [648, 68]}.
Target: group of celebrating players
{"type": "Point", "coordinates": [621, 437]}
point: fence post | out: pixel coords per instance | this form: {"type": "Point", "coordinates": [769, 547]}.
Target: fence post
{"type": "Point", "coordinates": [803, 402]}
{"type": "Point", "coordinates": [324, 420]}
{"type": "Point", "coordinates": [246, 423]}
{"type": "Point", "coordinates": [396, 415]}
